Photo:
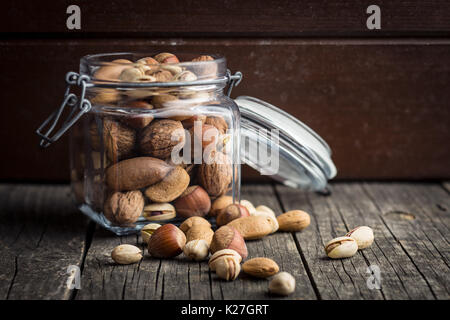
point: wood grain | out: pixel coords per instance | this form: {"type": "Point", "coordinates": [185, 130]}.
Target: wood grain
{"type": "Point", "coordinates": [228, 18]}
{"type": "Point", "coordinates": [382, 105]}
{"type": "Point", "coordinates": [41, 235]}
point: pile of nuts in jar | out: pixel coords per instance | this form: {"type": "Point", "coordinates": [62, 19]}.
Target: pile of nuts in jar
{"type": "Point", "coordinates": [133, 151]}
{"type": "Point", "coordinates": [236, 223]}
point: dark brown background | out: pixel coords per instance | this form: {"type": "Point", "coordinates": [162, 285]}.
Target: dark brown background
{"type": "Point", "coordinates": [379, 98]}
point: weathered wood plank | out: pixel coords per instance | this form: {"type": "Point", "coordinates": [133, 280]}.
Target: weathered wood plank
{"type": "Point", "coordinates": [424, 234]}
{"type": "Point", "coordinates": [182, 279]}
{"type": "Point", "coordinates": [348, 206]}
{"type": "Point", "coordinates": [232, 17]}
{"type": "Point", "coordinates": [41, 235]}
{"type": "Point", "coordinates": [280, 247]}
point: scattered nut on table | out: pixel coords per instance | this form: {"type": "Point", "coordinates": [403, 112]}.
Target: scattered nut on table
{"type": "Point", "coordinates": [363, 236]}
{"type": "Point", "coordinates": [282, 284]}
{"type": "Point", "coordinates": [196, 250]}
{"type": "Point", "coordinates": [126, 254]}
{"type": "Point", "coordinates": [260, 267]}
{"type": "Point", "coordinates": [341, 247]}
{"type": "Point", "coordinates": [228, 268]}
{"type": "Point", "coordinates": [147, 231]}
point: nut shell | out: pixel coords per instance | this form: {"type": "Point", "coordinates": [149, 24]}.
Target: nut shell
{"type": "Point", "coordinates": [229, 238]}
{"type": "Point", "coordinates": [295, 220]}
{"type": "Point", "coordinates": [216, 176]}
{"type": "Point", "coordinates": [221, 254]}
{"type": "Point", "coordinates": [252, 227]}
{"type": "Point", "coordinates": [166, 242]}
{"type": "Point", "coordinates": [170, 188]}
{"type": "Point", "coordinates": [165, 211]}
{"type": "Point", "coordinates": [363, 236]}
{"type": "Point", "coordinates": [161, 137]}
{"type": "Point", "coordinates": [126, 254]}
{"type": "Point", "coordinates": [230, 213]}
{"type": "Point", "coordinates": [219, 204]}
{"type": "Point", "coordinates": [341, 247]}
{"type": "Point", "coordinates": [119, 140]}
{"type": "Point", "coordinates": [136, 173]}
{"type": "Point", "coordinates": [194, 201]}
{"type": "Point", "coordinates": [199, 232]}
{"type": "Point", "coordinates": [196, 250]}
{"type": "Point", "coordinates": [124, 208]}
{"type": "Point", "coordinates": [194, 221]}
{"type": "Point", "coordinates": [228, 268]}
{"type": "Point", "coordinates": [260, 267]}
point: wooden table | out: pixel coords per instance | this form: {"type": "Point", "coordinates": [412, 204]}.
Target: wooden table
{"type": "Point", "coordinates": [42, 234]}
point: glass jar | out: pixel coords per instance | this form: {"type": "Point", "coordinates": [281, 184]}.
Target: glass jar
{"type": "Point", "coordinates": [154, 139]}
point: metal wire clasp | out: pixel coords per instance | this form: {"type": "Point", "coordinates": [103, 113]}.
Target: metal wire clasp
{"type": "Point", "coordinates": [78, 108]}
{"type": "Point", "coordinates": [233, 80]}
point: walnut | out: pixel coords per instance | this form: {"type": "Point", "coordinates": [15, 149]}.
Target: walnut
{"type": "Point", "coordinates": [216, 176]}
{"type": "Point", "coordinates": [119, 140]}
{"type": "Point", "coordinates": [160, 137]}
{"type": "Point", "coordinates": [124, 208]}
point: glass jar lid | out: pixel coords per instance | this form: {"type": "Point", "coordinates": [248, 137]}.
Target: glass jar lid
{"type": "Point", "coordinates": [279, 145]}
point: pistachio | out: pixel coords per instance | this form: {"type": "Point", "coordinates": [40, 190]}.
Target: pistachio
{"type": "Point", "coordinates": [196, 250]}
{"type": "Point", "coordinates": [222, 254]}
{"type": "Point", "coordinates": [131, 74]}
{"type": "Point", "coordinates": [185, 76]}
{"type": "Point", "coordinates": [147, 231]}
{"type": "Point", "coordinates": [228, 268]}
{"type": "Point", "coordinates": [126, 254]}
{"type": "Point", "coordinates": [282, 284]}
{"type": "Point", "coordinates": [159, 211]}
{"type": "Point", "coordinates": [341, 247]}
{"type": "Point", "coordinates": [363, 236]}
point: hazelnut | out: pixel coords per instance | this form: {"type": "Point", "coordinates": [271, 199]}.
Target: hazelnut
{"type": "Point", "coordinates": [124, 208]}
{"type": "Point", "coordinates": [222, 254]}
{"type": "Point", "coordinates": [160, 137]}
{"type": "Point", "coordinates": [166, 242]}
{"type": "Point", "coordinates": [196, 250]}
{"type": "Point", "coordinates": [230, 213]}
{"type": "Point", "coordinates": [194, 221]}
{"type": "Point", "coordinates": [166, 57]}
{"type": "Point", "coordinates": [147, 231]}
{"type": "Point", "coordinates": [228, 268]}
{"type": "Point", "coordinates": [229, 238]}
{"type": "Point", "coordinates": [159, 212]}
{"type": "Point", "coordinates": [203, 135]}
{"type": "Point", "coordinates": [194, 201]}
{"type": "Point", "coordinates": [219, 204]}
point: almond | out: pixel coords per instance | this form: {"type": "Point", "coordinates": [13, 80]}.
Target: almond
{"type": "Point", "coordinates": [252, 227]}
{"type": "Point", "coordinates": [295, 220]}
{"type": "Point", "coordinates": [260, 267]}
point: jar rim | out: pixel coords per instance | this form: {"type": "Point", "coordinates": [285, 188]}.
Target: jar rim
{"type": "Point", "coordinates": [96, 58]}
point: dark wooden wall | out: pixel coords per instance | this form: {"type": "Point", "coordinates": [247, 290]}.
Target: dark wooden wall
{"type": "Point", "coordinates": [380, 98]}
